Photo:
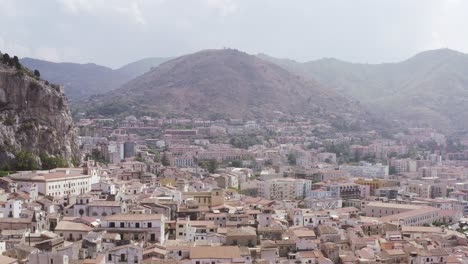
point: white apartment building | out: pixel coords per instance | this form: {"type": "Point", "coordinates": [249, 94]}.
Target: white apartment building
{"type": "Point", "coordinates": [12, 208]}
{"type": "Point", "coordinates": [189, 230]}
{"type": "Point", "coordinates": [367, 170]}
{"type": "Point", "coordinates": [145, 227]}
{"type": "Point", "coordinates": [284, 188]}
{"type": "Point", "coordinates": [57, 182]}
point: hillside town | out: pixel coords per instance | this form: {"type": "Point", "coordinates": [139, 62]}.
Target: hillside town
{"type": "Point", "coordinates": [162, 190]}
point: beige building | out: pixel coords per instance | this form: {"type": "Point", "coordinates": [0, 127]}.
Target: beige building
{"type": "Point", "coordinates": [57, 182]}
{"type": "Point", "coordinates": [145, 227]}
{"type": "Point", "coordinates": [212, 198]}
{"type": "Point", "coordinates": [72, 231]}
{"type": "Point", "coordinates": [380, 209]}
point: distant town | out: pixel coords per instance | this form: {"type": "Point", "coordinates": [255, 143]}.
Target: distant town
{"type": "Point", "coordinates": [169, 190]}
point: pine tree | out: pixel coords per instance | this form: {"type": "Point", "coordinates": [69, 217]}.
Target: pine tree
{"type": "Point", "coordinates": [165, 160]}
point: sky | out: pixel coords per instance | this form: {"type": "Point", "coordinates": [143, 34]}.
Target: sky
{"type": "Point", "coordinates": [116, 32]}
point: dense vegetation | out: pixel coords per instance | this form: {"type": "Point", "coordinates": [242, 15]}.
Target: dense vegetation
{"type": "Point", "coordinates": [210, 165]}
{"type": "Point", "coordinates": [27, 160]}
{"type": "Point", "coordinates": [244, 141]}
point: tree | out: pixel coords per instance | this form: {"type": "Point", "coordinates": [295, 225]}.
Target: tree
{"type": "Point", "coordinates": [236, 163]}
{"type": "Point", "coordinates": [6, 58]}
{"type": "Point", "coordinates": [26, 160]}
{"type": "Point", "coordinates": [212, 165]}
{"type": "Point", "coordinates": [165, 160]}
{"type": "Point", "coordinates": [37, 74]}
{"type": "Point", "coordinates": [16, 62]}
{"type": "Point", "coordinates": [50, 162]}
{"type": "Point", "coordinates": [291, 159]}
{"type": "Point", "coordinates": [140, 159]}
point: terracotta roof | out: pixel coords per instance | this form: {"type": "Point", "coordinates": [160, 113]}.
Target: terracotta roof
{"type": "Point", "coordinates": [304, 233]}
{"type": "Point", "coordinates": [222, 252]}
{"type": "Point", "coordinates": [67, 225]}
{"type": "Point", "coordinates": [421, 229]}
{"type": "Point", "coordinates": [132, 217]}
{"type": "Point", "coordinates": [104, 203]}
{"type": "Point", "coordinates": [7, 260]}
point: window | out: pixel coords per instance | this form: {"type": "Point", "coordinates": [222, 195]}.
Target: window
{"type": "Point", "coordinates": [122, 224]}
{"type": "Point", "coordinates": [150, 224]}
{"type": "Point", "coordinates": [122, 257]}
{"type": "Point", "coordinates": [109, 257]}
{"type": "Point", "coordinates": [137, 225]}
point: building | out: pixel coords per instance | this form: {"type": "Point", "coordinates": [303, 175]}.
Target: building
{"type": "Point", "coordinates": [367, 170]}
{"type": "Point", "coordinates": [145, 227]}
{"type": "Point", "coordinates": [57, 182]}
{"type": "Point", "coordinates": [129, 149]}
{"type": "Point", "coordinates": [284, 188]}
{"type": "Point", "coordinates": [72, 231]}
{"type": "Point", "coordinates": [217, 254]}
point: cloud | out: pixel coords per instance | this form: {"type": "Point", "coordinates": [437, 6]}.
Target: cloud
{"type": "Point", "coordinates": [14, 48]}
{"type": "Point", "coordinates": [132, 10]}
{"type": "Point", "coordinates": [223, 7]}
{"type": "Point", "coordinates": [76, 6]}
{"type": "Point", "coordinates": [48, 53]}
{"type": "Point", "coordinates": [127, 8]}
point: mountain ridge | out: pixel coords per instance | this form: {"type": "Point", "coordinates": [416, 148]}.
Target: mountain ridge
{"type": "Point", "coordinates": [427, 89]}
{"type": "Point", "coordinates": [228, 83]}
{"type": "Point", "coordinates": [82, 81]}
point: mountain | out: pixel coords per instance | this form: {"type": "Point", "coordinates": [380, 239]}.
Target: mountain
{"type": "Point", "coordinates": [84, 80]}
{"type": "Point", "coordinates": [428, 89]}
{"type": "Point", "coordinates": [137, 68]}
{"type": "Point", "coordinates": [227, 83]}
{"type": "Point", "coordinates": [35, 119]}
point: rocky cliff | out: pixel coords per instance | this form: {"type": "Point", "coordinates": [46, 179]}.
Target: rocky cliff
{"type": "Point", "coordinates": [34, 118]}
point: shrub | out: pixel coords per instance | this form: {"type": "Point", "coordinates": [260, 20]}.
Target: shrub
{"type": "Point", "coordinates": [9, 121]}
{"type": "Point", "coordinates": [25, 160]}
{"type": "Point", "coordinates": [34, 85]}
{"type": "Point", "coordinates": [51, 162]}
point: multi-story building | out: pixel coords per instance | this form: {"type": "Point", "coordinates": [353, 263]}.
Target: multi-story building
{"type": "Point", "coordinates": [57, 182]}
{"type": "Point", "coordinates": [346, 190]}
{"type": "Point", "coordinates": [380, 209]}
{"type": "Point", "coordinates": [367, 170]}
{"type": "Point", "coordinates": [140, 227]}
{"type": "Point", "coordinates": [284, 188]}
{"type": "Point", "coordinates": [375, 184]}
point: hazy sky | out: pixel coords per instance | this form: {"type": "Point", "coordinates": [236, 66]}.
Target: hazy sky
{"type": "Point", "coordinates": [115, 32]}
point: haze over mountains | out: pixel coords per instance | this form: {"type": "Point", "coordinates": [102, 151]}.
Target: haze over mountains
{"type": "Point", "coordinates": [430, 88]}
{"type": "Point", "coordinates": [227, 84]}
{"type": "Point", "coordinates": [84, 80]}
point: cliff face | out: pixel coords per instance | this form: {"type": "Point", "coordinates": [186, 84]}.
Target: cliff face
{"type": "Point", "coordinates": [34, 117]}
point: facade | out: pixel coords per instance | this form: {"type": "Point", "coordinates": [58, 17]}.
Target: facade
{"type": "Point", "coordinates": [284, 188]}
{"type": "Point", "coordinates": [57, 182]}
{"type": "Point", "coordinates": [146, 227]}
{"type": "Point", "coordinates": [367, 170]}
